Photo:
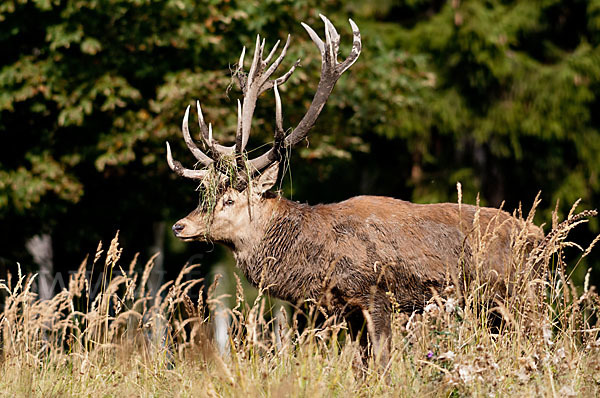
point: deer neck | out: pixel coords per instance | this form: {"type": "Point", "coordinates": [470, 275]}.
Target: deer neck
{"type": "Point", "coordinates": [259, 217]}
{"type": "Point", "coordinates": [248, 246]}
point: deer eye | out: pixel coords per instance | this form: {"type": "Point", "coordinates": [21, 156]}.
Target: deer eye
{"type": "Point", "coordinates": [228, 202]}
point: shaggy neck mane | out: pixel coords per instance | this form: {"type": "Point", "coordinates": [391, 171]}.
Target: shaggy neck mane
{"type": "Point", "coordinates": [279, 227]}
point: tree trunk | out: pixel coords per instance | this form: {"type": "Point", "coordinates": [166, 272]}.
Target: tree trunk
{"type": "Point", "coordinates": [156, 280]}
{"type": "Point", "coordinates": [40, 248]}
{"type": "Point", "coordinates": [220, 315]}
{"type": "Point", "coordinates": [157, 276]}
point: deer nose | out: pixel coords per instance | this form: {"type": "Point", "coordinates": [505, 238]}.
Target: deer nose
{"type": "Point", "coordinates": [177, 228]}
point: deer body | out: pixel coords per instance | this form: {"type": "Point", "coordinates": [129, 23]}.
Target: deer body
{"type": "Point", "coordinates": [303, 251]}
{"type": "Point", "coordinates": [347, 256]}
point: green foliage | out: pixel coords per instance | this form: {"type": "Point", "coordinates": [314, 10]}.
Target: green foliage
{"type": "Point", "coordinates": [513, 96]}
{"type": "Point", "coordinates": [501, 95]}
{"type": "Point", "coordinates": [27, 186]}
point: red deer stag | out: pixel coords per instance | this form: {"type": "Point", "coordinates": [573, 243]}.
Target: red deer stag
{"type": "Point", "coordinates": [348, 254]}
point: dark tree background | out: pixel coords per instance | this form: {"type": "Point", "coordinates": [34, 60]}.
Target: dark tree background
{"type": "Point", "coordinates": [503, 96]}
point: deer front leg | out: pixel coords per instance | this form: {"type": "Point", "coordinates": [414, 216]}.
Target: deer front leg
{"type": "Point", "coordinates": [379, 329]}
{"type": "Point", "coordinates": [376, 313]}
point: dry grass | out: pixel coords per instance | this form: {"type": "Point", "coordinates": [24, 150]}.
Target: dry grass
{"type": "Point", "coordinates": [127, 342]}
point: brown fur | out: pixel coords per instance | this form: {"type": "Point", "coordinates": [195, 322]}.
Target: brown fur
{"type": "Point", "coordinates": [348, 255]}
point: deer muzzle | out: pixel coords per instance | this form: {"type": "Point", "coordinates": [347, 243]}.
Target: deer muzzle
{"type": "Point", "coordinates": [178, 228]}
{"type": "Point", "coordinates": [187, 231]}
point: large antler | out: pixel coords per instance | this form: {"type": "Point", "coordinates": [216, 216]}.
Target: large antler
{"type": "Point", "coordinates": [331, 70]}
{"type": "Point", "coordinates": [256, 82]}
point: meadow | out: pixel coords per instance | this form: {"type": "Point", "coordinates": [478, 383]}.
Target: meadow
{"type": "Point", "coordinates": [125, 341]}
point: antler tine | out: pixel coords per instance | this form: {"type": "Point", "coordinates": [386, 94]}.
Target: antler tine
{"type": "Point", "coordinates": [282, 79]}
{"type": "Point", "coordinates": [241, 61]}
{"type": "Point", "coordinates": [315, 37]}
{"type": "Point", "coordinates": [356, 47]}
{"type": "Point", "coordinates": [272, 154]}
{"type": "Point", "coordinates": [238, 134]}
{"type": "Point", "coordinates": [206, 161]}
{"type": "Point", "coordinates": [198, 154]}
{"type": "Point", "coordinates": [268, 59]}
{"type": "Point", "coordinates": [329, 58]}
{"type": "Point", "coordinates": [278, 113]}
{"type": "Point", "coordinates": [277, 61]}
{"type": "Point", "coordinates": [332, 38]}
{"type": "Point", "coordinates": [255, 63]}
{"type": "Point", "coordinates": [269, 83]}
{"type": "Point", "coordinates": [182, 171]}
{"type": "Point", "coordinates": [202, 124]}
{"type": "Point", "coordinates": [279, 133]}
{"type": "Point", "coordinates": [206, 135]}
{"type": "Point", "coordinates": [331, 71]}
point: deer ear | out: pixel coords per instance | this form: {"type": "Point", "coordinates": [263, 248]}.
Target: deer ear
{"type": "Point", "coordinates": [267, 179]}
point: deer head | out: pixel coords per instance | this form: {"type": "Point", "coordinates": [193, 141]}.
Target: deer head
{"type": "Point", "coordinates": [235, 186]}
